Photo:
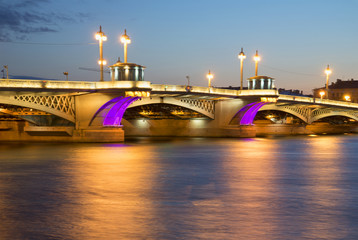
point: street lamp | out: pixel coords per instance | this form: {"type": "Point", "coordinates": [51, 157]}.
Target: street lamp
{"type": "Point", "coordinates": [125, 40]}
{"type": "Point", "coordinates": [257, 58]}
{"type": "Point", "coordinates": [322, 93]}
{"type": "Point", "coordinates": [241, 56]}
{"type": "Point", "coordinates": [66, 74]}
{"type": "Point", "coordinates": [7, 71]}
{"type": "Point", "coordinates": [188, 78]}
{"type": "Point", "coordinates": [210, 76]}
{"type": "Point", "coordinates": [100, 36]}
{"type": "Point", "coordinates": [328, 71]}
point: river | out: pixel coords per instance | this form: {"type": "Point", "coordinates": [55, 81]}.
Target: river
{"type": "Point", "coordinates": [262, 188]}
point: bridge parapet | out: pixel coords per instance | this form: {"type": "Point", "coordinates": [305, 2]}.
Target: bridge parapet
{"type": "Point", "coordinates": [84, 85]}
{"type": "Point", "coordinates": [214, 91]}
{"type": "Point", "coordinates": [317, 101]}
{"type": "Point", "coordinates": [87, 85]}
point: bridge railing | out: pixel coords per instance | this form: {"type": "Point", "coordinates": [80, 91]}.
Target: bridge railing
{"type": "Point", "coordinates": [218, 91]}
{"type": "Point", "coordinates": [21, 83]}
{"type": "Point", "coordinates": [317, 101]}
{"type": "Point", "coordinates": [55, 84]}
{"type": "Point", "coordinates": [123, 84]}
{"type": "Point", "coordinates": [24, 83]}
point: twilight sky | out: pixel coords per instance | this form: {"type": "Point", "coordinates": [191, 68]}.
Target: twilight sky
{"type": "Point", "coordinates": [295, 38]}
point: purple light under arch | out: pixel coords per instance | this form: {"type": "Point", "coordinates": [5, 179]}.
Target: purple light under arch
{"type": "Point", "coordinates": [107, 105]}
{"type": "Point", "coordinates": [247, 114]}
{"type": "Point", "coordinates": [112, 111]}
{"type": "Point", "coordinates": [115, 114]}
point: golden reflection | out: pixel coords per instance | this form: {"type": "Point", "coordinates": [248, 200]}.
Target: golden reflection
{"type": "Point", "coordinates": [111, 184]}
{"type": "Point", "coordinates": [324, 176]}
{"type": "Point", "coordinates": [250, 182]}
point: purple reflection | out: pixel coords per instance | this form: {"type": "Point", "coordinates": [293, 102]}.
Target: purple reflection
{"type": "Point", "coordinates": [249, 112]}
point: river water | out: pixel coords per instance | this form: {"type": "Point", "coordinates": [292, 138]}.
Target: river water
{"type": "Point", "coordinates": [278, 188]}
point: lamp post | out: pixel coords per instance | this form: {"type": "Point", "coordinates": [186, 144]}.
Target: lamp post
{"type": "Point", "coordinates": [66, 74]}
{"type": "Point", "coordinates": [241, 56]}
{"type": "Point", "coordinates": [209, 76]}
{"type": "Point", "coordinates": [328, 71]}
{"type": "Point", "coordinates": [188, 78]}
{"type": "Point", "coordinates": [257, 58]}
{"type": "Point", "coordinates": [125, 40]}
{"type": "Point", "coordinates": [7, 71]}
{"type": "Point", "coordinates": [100, 36]}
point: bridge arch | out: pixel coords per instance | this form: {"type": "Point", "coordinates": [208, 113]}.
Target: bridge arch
{"type": "Point", "coordinates": [333, 114]}
{"type": "Point", "coordinates": [247, 114]}
{"type": "Point", "coordinates": [59, 105]}
{"type": "Point", "coordinates": [299, 112]}
{"type": "Point", "coordinates": [111, 113]}
{"type": "Point", "coordinates": [204, 107]}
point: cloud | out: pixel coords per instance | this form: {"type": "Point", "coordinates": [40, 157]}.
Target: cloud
{"type": "Point", "coordinates": [29, 77]}
{"type": "Point", "coordinates": [21, 18]}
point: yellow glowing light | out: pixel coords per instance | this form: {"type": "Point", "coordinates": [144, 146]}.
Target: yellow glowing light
{"type": "Point", "coordinates": [100, 36]}
{"type": "Point", "coordinates": [347, 98]}
{"type": "Point", "coordinates": [241, 56]}
{"type": "Point", "coordinates": [328, 70]}
{"type": "Point", "coordinates": [257, 57]}
{"type": "Point", "coordinates": [268, 99]}
{"type": "Point", "coordinates": [102, 62]}
{"type": "Point", "coordinates": [210, 76]}
{"type": "Point", "coordinates": [137, 94]}
{"type": "Point", "coordinates": [125, 38]}
{"type": "Point", "coordinates": [322, 93]}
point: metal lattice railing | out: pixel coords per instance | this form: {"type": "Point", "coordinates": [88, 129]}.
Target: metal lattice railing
{"type": "Point", "coordinates": [207, 105]}
{"type": "Point", "coordinates": [62, 103]}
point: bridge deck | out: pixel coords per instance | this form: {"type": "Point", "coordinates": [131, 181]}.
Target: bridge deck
{"type": "Point", "coordinates": [162, 89]}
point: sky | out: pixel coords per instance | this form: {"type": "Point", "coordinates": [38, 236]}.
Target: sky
{"type": "Point", "coordinates": [296, 39]}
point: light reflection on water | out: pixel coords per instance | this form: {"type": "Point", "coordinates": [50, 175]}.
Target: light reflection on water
{"type": "Point", "coordinates": [287, 188]}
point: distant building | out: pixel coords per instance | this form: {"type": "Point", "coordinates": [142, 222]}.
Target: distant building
{"type": "Point", "coordinates": [341, 90]}
{"type": "Point", "coordinates": [292, 92]}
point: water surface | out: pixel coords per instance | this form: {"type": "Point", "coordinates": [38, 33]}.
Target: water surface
{"type": "Point", "coordinates": [280, 188]}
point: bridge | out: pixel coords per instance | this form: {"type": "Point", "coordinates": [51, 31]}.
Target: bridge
{"type": "Point", "coordinates": [45, 110]}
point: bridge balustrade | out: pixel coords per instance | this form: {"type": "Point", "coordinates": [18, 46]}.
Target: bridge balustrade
{"type": "Point", "coordinates": [317, 101]}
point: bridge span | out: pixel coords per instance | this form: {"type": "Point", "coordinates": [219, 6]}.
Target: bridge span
{"type": "Point", "coordinates": [45, 110]}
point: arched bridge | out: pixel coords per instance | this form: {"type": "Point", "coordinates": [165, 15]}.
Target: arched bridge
{"type": "Point", "coordinates": [87, 105]}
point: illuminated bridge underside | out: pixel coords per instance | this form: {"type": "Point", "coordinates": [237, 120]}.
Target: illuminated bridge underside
{"type": "Point", "coordinates": [169, 107]}
{"type": "Point", "coordinates": [36, 117]}
{"type": "Point", "coordinates": [58, 105]}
